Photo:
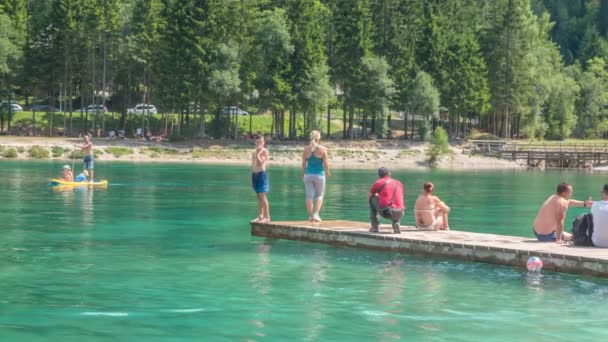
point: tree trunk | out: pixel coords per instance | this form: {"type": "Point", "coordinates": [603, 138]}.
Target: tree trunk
{"type": "Point", "coordinates": [272, 123]}
{"type": "Point", "coordinates": [33, 117]}
{"type": "Point", "coordinates": [351, 117]}
{"type": "Point", "coordinates": [405, 125]}
{"type": "Point", "coordinates": [413, 127]}
{"type": "Point", "coordinates": [344, 131]}
{"type": "Point", "coordinates": [364, 126]}
{"type": "Point", "coordinates": [328, 122]}
{"type": "Point", "coordinates": [388, 133]}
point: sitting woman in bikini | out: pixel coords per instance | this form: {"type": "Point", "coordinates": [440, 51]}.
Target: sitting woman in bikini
{"type": "Point", "coordinates": [430, 212]}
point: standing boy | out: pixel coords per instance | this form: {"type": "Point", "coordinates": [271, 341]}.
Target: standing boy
{"type": "Point", "coordinates": [87, 148]}
{"type": "Point", "coordinates": [259, 179]}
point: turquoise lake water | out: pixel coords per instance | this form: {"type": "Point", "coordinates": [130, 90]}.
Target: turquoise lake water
{"type": "Point", "coordinates": [165, 254]}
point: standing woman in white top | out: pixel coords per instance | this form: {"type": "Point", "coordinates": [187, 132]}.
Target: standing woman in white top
{"type": "Point", "coordinates": [314, 169]}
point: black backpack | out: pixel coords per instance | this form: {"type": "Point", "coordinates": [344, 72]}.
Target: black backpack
{"type": "Point", "coordinates": [582, 229]}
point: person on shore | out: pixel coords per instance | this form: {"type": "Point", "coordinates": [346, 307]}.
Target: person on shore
{"type": "Point", "coordinates": [82, 177]}
{"type": "Point", "coordinates": [315, 168]}
{"type": "Point", "coordinates": [259, 179]}
{"type": "Point", "coordinates": [68, 176]}
{"type": "Point", "coordinates": [599, 210]}
{"type": "Point", "coordinates": [549, 222]}
{"type": "Point", "coordinates": [429, 211]}
{"type": "Point", "coordinates": [87, 148]}
{"type": "Point", "coordinates": [386, 198]}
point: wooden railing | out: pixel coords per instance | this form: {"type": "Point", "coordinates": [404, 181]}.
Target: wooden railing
{"type": "Point", "coordinates": [576, 155]}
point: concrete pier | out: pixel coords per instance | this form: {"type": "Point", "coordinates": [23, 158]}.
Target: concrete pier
{"type": "Point", "coordinates": [488, 248]}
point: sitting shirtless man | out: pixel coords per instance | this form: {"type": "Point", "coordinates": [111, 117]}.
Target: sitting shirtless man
{"type": "Point", "coordinates": [549, 222]}
{"type": "Point", "coordinates": [430, 212]}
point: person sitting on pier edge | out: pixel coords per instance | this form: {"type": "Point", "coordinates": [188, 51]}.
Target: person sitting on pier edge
{"type": "Point", "coordinates": [430, 212]}
{"type": "Point", "coordinates": [549, 222]}
{"type": "Point", "coordinates": [599, 210]}
{"type": "Point", "coordinates": [386, 198]}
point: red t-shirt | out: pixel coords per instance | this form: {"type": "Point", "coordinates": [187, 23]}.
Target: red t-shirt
{"type": "Point", "coordinates": [385, 196]}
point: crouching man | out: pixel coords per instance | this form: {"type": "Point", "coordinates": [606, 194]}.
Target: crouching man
{"type": "Point", "coordinates": [386, 198]}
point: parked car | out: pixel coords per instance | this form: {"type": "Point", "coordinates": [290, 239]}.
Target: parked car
{"type": "Point", "coordinates": [142, 109]}
{"type": "Point", "coordinates": [14, 107]}
{"type": "Point", "coordinates": [233, 110]}
{"type": "Point", "coordinates": [95, 109]}
{"type": "Point", "coordinates": [44, 108]}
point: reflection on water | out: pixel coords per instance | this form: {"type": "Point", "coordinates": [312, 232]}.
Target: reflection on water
{"type": "Point", "coordinates": [261, 283]}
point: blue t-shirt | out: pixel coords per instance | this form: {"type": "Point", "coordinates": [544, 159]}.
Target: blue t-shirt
{"type": "Point", "coordinates": [80, 178]}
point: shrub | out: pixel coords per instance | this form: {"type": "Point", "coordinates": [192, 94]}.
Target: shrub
{"type": "Point", "coordinates": [438, 146]}
{"type": "Point", "coordinates": [163, 150]}
{"type": "Point", "coordinates": [20, 149]}
{"type": "Point", "coordinates": [423, 130]}
{"type": "Point", "coordinates": [10, 153]}
{"type": "Point", "coordinates": [1, 148]}
{"type": "Point", "coordinates": [77, 154]}
{"type": "Point", "coordinates": [39, 152]}
{"type": "Point", "coordinates": [57, 151]}
{"type": "Point", "coordinates": [119, 151]}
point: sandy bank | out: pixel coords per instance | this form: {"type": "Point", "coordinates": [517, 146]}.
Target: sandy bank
{"type": "Point", "coordinates": [370, 154]}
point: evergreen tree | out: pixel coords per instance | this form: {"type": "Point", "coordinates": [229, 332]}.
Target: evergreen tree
{"type": "Point", "coordinates": [352, 26]}
{"type": "Point", "coordinates": [424, 101]}
{"type": "Point", "coordinates": [271, 50]}
{"type": "Point", "coordinates": [310, 86]}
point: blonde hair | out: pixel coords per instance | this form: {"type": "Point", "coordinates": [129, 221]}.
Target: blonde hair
{"type": "Point", "coordinates": [315, 136]}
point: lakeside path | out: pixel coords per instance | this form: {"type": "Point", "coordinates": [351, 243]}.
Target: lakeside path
{"type": "Point", "coordinates": [365, 154]}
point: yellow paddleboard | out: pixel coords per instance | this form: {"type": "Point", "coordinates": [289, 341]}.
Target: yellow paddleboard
{"type": "Point", "coordinates": [55, 182]}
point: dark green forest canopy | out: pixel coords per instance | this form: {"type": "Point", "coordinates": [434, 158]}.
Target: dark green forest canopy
{"type": "Point", "coordinates": [513, 68]}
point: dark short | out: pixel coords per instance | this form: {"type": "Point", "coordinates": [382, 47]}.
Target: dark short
{"type": "Point", "coordinates": [88, 163]}
{"type": "Point", "coordinates": [546, 237]}
{"type": "Point", "coordinates": [259, 181]}
{"type": "Point", "coordinates": [393, 214]}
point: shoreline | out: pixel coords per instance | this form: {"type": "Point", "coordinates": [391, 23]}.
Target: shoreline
{"type": "Point", "coordinates": [366, 154]}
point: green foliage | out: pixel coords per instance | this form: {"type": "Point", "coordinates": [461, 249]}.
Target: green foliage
{"type": "Point", "coordinates": [424, 131]}
{"type": "Point", "coordinates": [77, 154]}
{"type": "Point", "coordinates": [10, 153]}
{"type": "Point", "coordinates": [38, 152]}
{"type": "Point", "coordinates": [438, 146]}
{"type": "Point", "coordinates": [378, 91]}
{"type": "Point", "coordinates": [560, 116]}
{"type": "Point", "coordinates": [424, 96]}
{"type": "Point", "coordinates": [491, 63]}
{"type": "Point", "coordinates": [118, 151]}
{"type": "Point", "coordinates": [20, 149]}
{"type": "Point", "coordinates": [163, 150]}
{"type": "Point", "coordinates": [57, 151]}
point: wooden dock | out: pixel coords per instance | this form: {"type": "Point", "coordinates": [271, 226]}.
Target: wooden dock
{"type": "Point", "coordinates": [489, 248]}
{"type": "Point", "coordinates": [562, 155]}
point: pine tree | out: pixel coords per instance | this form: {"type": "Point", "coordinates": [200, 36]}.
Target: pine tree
{"type": "Point", "coordinates": [309, 79]}
{"type": "Point", "coordinates": [353, 30]}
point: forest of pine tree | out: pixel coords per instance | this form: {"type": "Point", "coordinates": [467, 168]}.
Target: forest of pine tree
{"type": "Point", "coordinates": [511, 68]}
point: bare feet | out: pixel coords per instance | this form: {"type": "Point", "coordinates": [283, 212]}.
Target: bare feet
{"type": "Point", "coordinates": [257, 219]}
{"type": "Point", "coordinates": [264, 220]}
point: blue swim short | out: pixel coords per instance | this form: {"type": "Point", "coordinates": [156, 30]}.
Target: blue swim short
{"type": "Point", "coordinates": [546, 237]}
{"type": "Point", "coordinates": [260, 183]}
{"type": "Point", "coordinates": [88, 163]}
